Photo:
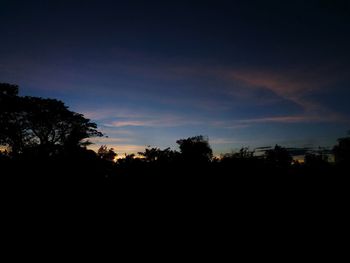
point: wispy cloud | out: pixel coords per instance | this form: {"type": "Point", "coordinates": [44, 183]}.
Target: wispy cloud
{"type": "Point", "coordinates": [157, 122]}
{"type": "Point", "coordinates": [296, 86]}
{"type": "Point", "coordinates": [224, 141]}
{"type": "Point", "coordinates": [289, 119]}
{"type": "Point", "coordinates": [110, 140]}
{"type": "Point", "coordinates": [117, 118]}
{"type": "Point", "coordinates": [132, 123]}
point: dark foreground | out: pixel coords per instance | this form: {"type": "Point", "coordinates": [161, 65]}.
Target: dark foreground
{"type": "Point", "coordinates": [205, 203]}
{"type": "Point", "coordinates": [174, 180]}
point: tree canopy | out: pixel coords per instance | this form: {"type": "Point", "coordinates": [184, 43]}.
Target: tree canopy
{"type": "Point", "coordinates": [196, 149]}
{"type": "Point", "coordinates": [106, 154]}
{"type": "Point", "coordinates": [342, 150]}
{"type": "Point", "coordinates": [42, 124]}
{"type": "Point", "coordinates": [279, 157]}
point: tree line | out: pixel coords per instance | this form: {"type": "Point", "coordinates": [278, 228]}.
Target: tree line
{"type": "Point", "coordinates": [43, 137]}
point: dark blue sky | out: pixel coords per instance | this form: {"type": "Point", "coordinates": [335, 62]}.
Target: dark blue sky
{"type": "Point", "coordinates": [244, 73]}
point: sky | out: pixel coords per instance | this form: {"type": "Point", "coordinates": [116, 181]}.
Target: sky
{"type": "Point", "coordinates": [243, 73]}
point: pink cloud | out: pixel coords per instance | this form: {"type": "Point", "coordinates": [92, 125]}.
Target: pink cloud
{"type": "Point", "coordinates": [294, 85]}
{"type": "Point", "coordinates": [163, 121]}
{"type": "Point", "coordinates": [113, 112]}
{"type": "Point", "coordinates": [109, 140]}
{"type": "Point", "coordinates": [285, 119]}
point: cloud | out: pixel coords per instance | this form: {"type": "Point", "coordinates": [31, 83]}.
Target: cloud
{"type": "Point", "coordinates": [110, 140]}
{"type": "Point", "coordinates": [215, 141]}
{"type": "Point", "coordinates": [149, 123]}
{"type": "Point", "coordinates": [111, 131]}
{"type": "Point", "coordinates": [131, 123]}
{"type": "Point", "coordinates": [285, 119]}
{"type": "Point", "coordinates": [284, 84]}
{"type": "Point", "coordinates": [296, 86]}
{"type": "Point", "coordinates": [227, 124]}
{"type": "Point", "coordinates": [107, 113]}
{"type": "Point", "coordinates": [157, 120]}
{"type": "Point", "coordinates": [289, 84]}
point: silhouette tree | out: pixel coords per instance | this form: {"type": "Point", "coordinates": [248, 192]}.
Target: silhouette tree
{"type": "Point", "coordinates": [8, 90]}
{"type": "Point", "coordinates": [46, 125]}
{"type": "Point", "coordinates": [13, 132]}
{"type": "Point", "coordinates": [243, 154]}
{"type": "Point", "coordinates": [195, 149]}
{"type": "Point", "coordinates": [342, 150]}
{"type": "Point", "coordinates": [278, 157]}
{"type": "Point", "coordinates": [106, 154]}
{"type": "Point", "coordinates": [152, 155]}
{"type": "Point", "coordinates": [318, 160]}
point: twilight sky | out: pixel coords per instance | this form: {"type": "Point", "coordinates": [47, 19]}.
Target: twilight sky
{"type": "Point", "coordinates": [244, 73]}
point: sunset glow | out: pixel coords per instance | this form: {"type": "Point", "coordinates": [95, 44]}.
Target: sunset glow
{"type": "Point", "coordinates": [154, 72]}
